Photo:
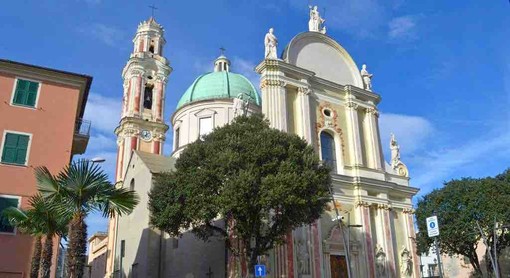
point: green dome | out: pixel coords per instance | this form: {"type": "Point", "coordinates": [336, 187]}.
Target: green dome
{"type": "Point", "coordinates": [219, 85]}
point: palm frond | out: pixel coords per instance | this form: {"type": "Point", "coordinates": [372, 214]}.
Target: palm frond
{"type": "Point", "coordinates": [118, 201]}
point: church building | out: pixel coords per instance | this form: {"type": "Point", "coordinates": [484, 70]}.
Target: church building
{"type": "Point", "coordinates": [313, 89]}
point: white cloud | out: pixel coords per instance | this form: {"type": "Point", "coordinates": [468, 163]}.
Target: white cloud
{"type": "Point", "coordinates": [246, 68]}
{"type": "Point", "coordinates": [104, 112]}
{"type": "Point", "coordinates": [361, 18]}
{"type": "Point", "coordinates": [411, 132]}
{"type": "Point", "coordinates": [439, 165]}
{"type": "Point", "coordinates": [107, 34]}
{"type": "Point", "coordinates": [403, 28]}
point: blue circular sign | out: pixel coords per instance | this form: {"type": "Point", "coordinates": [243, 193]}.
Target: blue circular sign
{"type": "Point", "coordinates": [432, 225]}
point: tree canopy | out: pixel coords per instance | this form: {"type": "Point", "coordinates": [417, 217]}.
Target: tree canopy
{"type": "Point", "coordinates": [261, 181]}
{"type": "Point", "coordinates": [459, 206]}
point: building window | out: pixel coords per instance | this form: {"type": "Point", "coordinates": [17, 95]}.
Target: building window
{"type": "Point", "coordinates": [147, 96]}
{"type": "Point", "coordinates": [15, 148]}
{"type": "Point", "coordinates": [205, 126]}
{"type": "Point", "coordinates": [328, 151]}
{"type": "Point", "coordinates": [151, 49]}
{"type": "Point", "coordinates": [176, 137]}
{"type": "Point", "coordinates": [6, 202]}
{"type": "Point", "coordinates": [132, 185]}
{"type": "Point", "coordinates": [25, 93]}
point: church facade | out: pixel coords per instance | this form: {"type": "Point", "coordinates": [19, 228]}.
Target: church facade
{"type": "Point", "coordinates": [314, 90]}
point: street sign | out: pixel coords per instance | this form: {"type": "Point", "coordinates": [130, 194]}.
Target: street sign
{"type": "Point", "coordinates": [432, 226]}
{"type": "Point", "coordinates": [260, 270]}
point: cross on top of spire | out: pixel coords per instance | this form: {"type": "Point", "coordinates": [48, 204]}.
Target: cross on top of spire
{"type": "Point", "coordinates": [222, 50]}
{"type": "Point", "coordinates": [153, 7]}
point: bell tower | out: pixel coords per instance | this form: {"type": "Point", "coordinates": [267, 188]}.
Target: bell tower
{"type": "Point", "coordinates": [145, 75]}
{"type": "Point", "coordinates": [141, 125]}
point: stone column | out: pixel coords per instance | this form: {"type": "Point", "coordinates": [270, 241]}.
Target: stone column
{"type": "Point", "coordinates": [306, 119]}
{"type": "Point", "coordinates": [411, 240]}
{"type": "Point", "coordinates": [274, 102]}
{"type": "Point", "coordinates": [353, 133]}
{"type": "Point", "coordinates": [363, 213]}
{"type": "Point", "coordinates": [125, 98]}
{"type": "Point", "coordinates": [387, 240]}
{"type": "Point", "coordinates": [375, 160]}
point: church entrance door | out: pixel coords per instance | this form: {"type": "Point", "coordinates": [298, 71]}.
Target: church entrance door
{"type": "Point", "coordinates": [338, 266]}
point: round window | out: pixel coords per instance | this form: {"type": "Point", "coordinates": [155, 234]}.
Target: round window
{"type": "Point", "coordinates": [327, 112]}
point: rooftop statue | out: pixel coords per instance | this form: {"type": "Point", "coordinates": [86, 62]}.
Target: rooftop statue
{"type": "Point", "coordinates": [240, 106]}
{"type": "Point", "coordinates": [271, 42]}
{"type": "Point", "coordinates": [316, 21]}
{"type": "Point", "coordinates": [396, 163]}
{"type": "Point", "coordinates": [367, 78]}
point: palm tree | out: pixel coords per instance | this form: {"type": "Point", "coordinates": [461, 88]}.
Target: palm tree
{"type": "Point", "coordinates": [80, 188]}
{"type": "Point", "coordinates": [24, 222]}
{"type": "Point", "coordinates": [37, 221]}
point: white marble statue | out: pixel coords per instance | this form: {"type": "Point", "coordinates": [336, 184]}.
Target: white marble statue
{"type": "Point", "coordinates": [240, 106]}
{"type": "Point", "coordinates": [406, 262]}
{"type": "Point", "coordinates": [395, 152]}
{"type": "Point", "coordinates": [271, 42]}
{"type": "Point", "coordinates": [316, 21]}
{"type": "Point", "coordinates": [380, 261]}
{"type": "Point", "coordinates": [367, 78]}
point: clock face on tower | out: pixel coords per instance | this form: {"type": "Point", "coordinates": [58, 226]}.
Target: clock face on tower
{"type": "Point", "coordinates": [146, 135]}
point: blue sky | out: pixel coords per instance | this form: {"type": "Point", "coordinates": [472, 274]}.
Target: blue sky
{"type": "Point", "coordinates": [441, 67]}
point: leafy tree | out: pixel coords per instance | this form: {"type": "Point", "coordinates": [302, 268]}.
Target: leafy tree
{"type": "Point", "coordinates": [459, 206]}
{"type": "Point", "coordinates": [261, 181]}
{"type": "Point", "coordinates": [80, 188]}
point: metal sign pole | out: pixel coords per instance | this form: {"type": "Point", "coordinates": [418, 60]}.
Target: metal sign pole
{"type": "Point", "coordinates": [439, 265]}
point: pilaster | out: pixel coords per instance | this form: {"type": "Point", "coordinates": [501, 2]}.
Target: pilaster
{"type": "Point", "coordinates": [354, 133]}
{"type": "Point", "coordinates": [306, 119]}
{"type": "Point", "coordinates": [387, 239]}
{"type": "Point", "coordinates": [274, 102]}
{"type": "Point", "coordinates": [411, 240]}
{"type": "Point", "coordinates": [374, 146]}
{"type": "Point", "coordinates": [363, 213]}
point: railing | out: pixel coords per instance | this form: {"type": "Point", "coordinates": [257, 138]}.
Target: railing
{"type": "Point", "coordinates": [82, 127]}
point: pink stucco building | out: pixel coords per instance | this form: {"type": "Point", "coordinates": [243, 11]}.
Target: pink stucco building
{"type": "Point", "coordinates": [41, 124]}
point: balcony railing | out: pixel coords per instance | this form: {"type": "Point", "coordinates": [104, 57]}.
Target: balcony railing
{"type": "Point", "coordinates": [82, 128]}
{"type": "Point", "coordinates": [81, 136]}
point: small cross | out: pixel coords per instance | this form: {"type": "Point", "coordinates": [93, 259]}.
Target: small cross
{"type": "Point", "coordinates": [222, 49]}
{"type": "Point", "coordinates": [153, 8]}
{"type": "Point", "coordinates": [209, 273]}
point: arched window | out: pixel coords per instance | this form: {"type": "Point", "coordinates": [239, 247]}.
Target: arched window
{"type": "Point", "coordinates": [328, 151]}
{"type": "Point", "coordinates": [132, 184]}
{"type": "Point", "coordinates": [147, 96]}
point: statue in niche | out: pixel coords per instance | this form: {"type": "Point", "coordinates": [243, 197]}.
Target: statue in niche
{"type": "Point", "coordinates": [406, 262]}
{"type": "Point", "coordinates": [303, 256]}
{"type": "Point", "coordinates": [240, 105]}
{"type": "Point", "coordinates": [147, 96]}
{"type": "Point", "coordinates": [380, 261]}
{"type": "Point", "coordinates": [367, 78]}
{"type": "Point", "coordinates": [316, 21]}
{"type": "Point", "coordinates": [271, 42]}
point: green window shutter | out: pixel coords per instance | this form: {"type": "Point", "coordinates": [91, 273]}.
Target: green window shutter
{"type": "Point", "coordinates": [15, 148]}
{"type": "Point", "coordinates": [26, 92]}
{"type": "Point", "coordinates": [5, 226]}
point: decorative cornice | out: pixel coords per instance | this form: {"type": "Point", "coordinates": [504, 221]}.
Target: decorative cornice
{"type": "Point", "coordinates": [304, 90]}
{"type": "Point", "coordinates": [372, 110]}
{"type": "Point", "coordinates": [408, 211]}
{"type": "Point", "coordinates": [272, 82]}
{"type": "Point", "coordinates": [352, 105]}
{"type": "Point", "coordinates": [360, 203]}
{"type": "Point", "coordinates": [384, 206]}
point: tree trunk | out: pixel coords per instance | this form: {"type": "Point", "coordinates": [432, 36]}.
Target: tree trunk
{"type": "Point", "coordinates": [76, 246]}
{"type": "Point", "coordinates": [36, 258]}
{"type": "Point", "coordinates": [47, 255]}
